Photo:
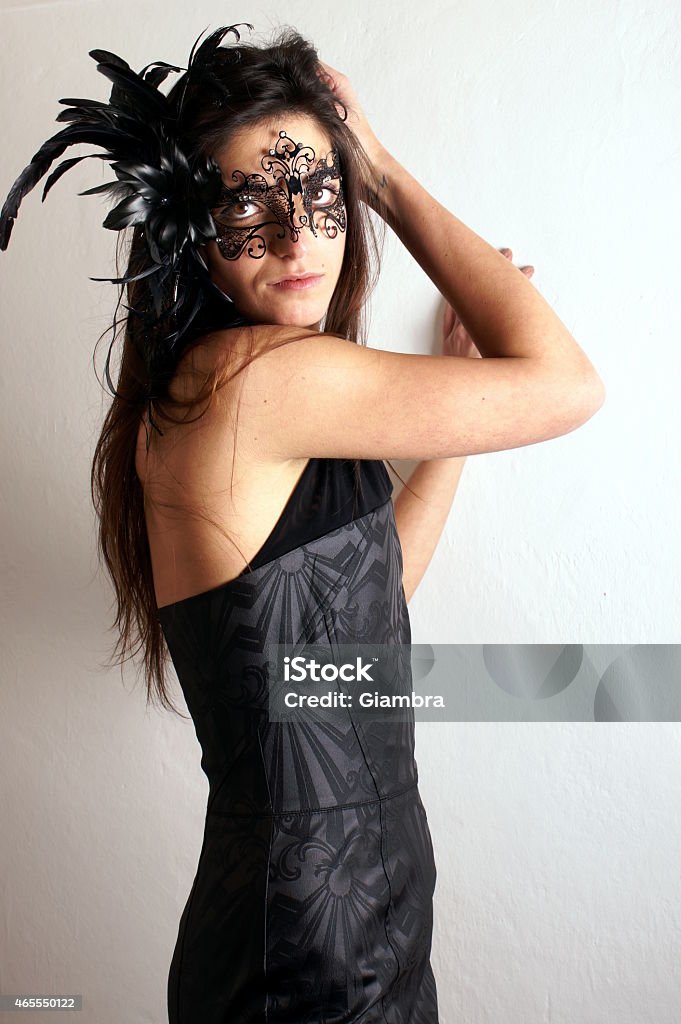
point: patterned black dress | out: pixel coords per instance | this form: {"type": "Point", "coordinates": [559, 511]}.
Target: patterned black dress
{"type": "Point", "coordinates": [313, 897]}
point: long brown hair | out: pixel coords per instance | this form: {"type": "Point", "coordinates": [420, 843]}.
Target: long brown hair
{"type": "Point", "coordinates": [247, 85]}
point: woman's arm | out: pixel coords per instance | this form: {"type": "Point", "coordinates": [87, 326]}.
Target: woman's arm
{"type": "Point", "coordinates": [420, 518]}
{"type": "Point", "coordinates": [502, 311]}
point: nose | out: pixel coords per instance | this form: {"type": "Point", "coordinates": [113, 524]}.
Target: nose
{"type": "Point", "coordinates": [293, 237]}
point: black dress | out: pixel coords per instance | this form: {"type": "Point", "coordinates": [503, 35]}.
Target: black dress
{"type": "Point", "coordinates": [313, 898]}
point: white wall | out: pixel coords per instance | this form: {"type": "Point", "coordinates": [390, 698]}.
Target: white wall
{"type": "Point", "coordinates": [550, 128]}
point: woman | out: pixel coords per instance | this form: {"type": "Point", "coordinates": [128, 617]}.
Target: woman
{"type": "Point", "coordinates": [244, 502]}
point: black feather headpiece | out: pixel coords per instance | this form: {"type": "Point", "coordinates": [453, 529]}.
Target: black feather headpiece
{"type": "Point", "coordinates": [156, 189]}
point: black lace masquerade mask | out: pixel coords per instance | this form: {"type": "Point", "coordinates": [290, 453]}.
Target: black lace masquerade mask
{"type": "Point", "coordinates": [288, 166]}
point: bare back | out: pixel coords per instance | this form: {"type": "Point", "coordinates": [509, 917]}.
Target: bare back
{"type": "Point", "coordinates": [227, 495]}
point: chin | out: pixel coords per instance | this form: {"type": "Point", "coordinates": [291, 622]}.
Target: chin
{"type": "Point", "coordinates": [301, 320]}
{"type": "Point", "coordinates": [301, 316]}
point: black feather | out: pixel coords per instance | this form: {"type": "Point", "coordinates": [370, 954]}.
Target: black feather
{"type": "Point", "coordinates": [156, 188]}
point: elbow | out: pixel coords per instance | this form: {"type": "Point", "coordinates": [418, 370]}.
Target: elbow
{"type": "Point", "coordinates": [571, 393]}
{"type": "Point", "coordinates": [583, 392]}
{"type": "Point", "coordinates": [593, 397]}
{"type": "Point", "coordinates": [573, 402]}
{"type": "Point", "coordinates": [600, 387]}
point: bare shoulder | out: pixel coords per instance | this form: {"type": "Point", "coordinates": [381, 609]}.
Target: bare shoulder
{"type": "Point", "coordinates": [230, 355]}
{"type": "Point", "coordinates": [251, 364]}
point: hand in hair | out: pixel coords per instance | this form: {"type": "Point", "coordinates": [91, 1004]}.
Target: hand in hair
{"type": "Point", "coordinates": [355, 119]}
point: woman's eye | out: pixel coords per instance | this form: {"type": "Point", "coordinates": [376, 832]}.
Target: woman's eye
{"type": "Point", "coordinates": [332, 192]}
{"type": "Point", "coordinates": [242, 202]}
{"type": "Point", "coordinates": [234, 209]}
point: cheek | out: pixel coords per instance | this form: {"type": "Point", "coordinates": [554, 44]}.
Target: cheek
{"type": "Point", "coordinates": [234, 273]}
{"type": "Point", "coordinates": [244, 268]}
{"type": "Point", "coordinates": [338, 249]}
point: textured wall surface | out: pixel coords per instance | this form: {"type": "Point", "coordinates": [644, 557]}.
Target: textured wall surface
{"type": "Point", "coordinates": [549, 128]}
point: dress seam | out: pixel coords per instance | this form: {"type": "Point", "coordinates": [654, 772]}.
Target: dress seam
{"type": "Point", "coordinates": [267, 880]}
{"type": "Point", "coordinates": [315, 810]}
{"type": "Point", "coordinates": [361, 742]}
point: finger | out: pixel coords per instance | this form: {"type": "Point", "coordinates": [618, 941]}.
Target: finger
{"type": "Point", "coordinates": [507, 253]}
{"type": "Point", "coordinates": [528, 271]}
{"type": "Point", "coordinates": [330, 71]}
{"type": "Point", "coordinates": [448, 320]}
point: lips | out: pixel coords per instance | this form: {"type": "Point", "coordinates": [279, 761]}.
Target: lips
{"type": "Point", "coordinates": [296, 277]}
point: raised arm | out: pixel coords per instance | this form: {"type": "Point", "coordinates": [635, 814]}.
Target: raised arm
{"type": "Point", "coordinates": [499, 307]}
